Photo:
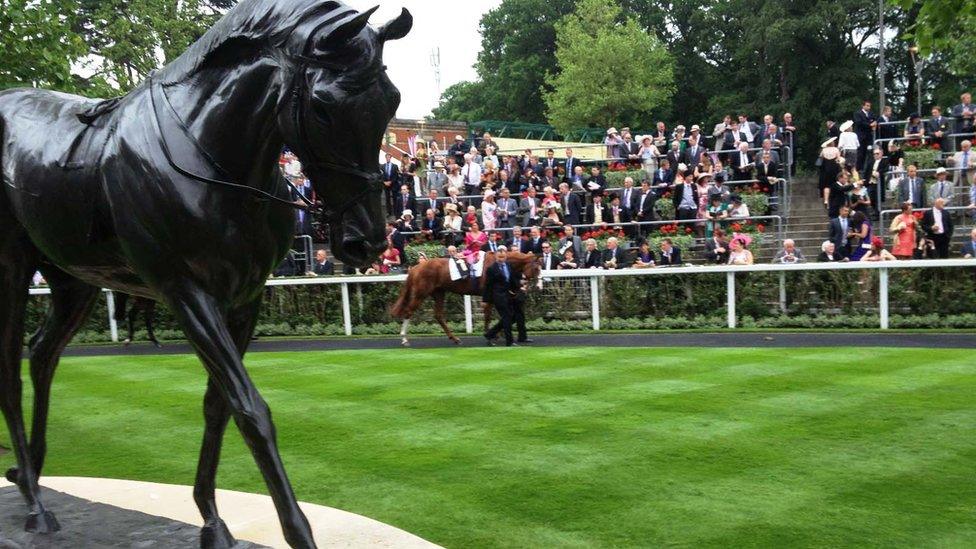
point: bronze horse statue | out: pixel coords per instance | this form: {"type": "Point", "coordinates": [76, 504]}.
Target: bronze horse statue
{"type": "Point", "coordinates": [172, 193]}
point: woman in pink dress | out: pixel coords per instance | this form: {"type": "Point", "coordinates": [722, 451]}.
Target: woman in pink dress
{"type": "Point", "coordinates": [903, 227]}
{"type": "Point", "coordinates": [473, 241]}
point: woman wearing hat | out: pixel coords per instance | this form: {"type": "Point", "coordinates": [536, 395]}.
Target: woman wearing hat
{"type": "Point", "coordinates": [848, 143]}
{"type": "Point", "coordinates": [648, 153]}
{"type": "Point", "coordinates": [488, 210]}
{"type": "Point", "coordinates": [829, 166]}
{"type": "Point", "coordinates": [915, 130]}
{"type": "Point", "coordinates": [451, 224]}
{"type": "Point", "coordinates": [716, 212]}
{"type": "Point", "coordinates": [423, 160]}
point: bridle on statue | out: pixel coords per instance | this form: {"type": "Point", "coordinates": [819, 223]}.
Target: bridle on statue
{"type": "Point", "coordinates": [373, 179]}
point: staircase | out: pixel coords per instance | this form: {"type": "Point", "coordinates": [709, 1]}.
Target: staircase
{"type": "Point", "coordinates": [806, 222]}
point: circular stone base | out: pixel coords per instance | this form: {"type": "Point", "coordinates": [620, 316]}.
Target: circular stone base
{"type": "Point", "coordinates": [120, 513]}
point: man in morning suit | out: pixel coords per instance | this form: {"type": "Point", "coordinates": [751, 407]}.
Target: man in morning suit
{"type": "Point", "coordinates": [501, 284]}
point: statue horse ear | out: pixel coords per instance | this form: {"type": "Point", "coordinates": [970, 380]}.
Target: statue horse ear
{"type": "Point", "coordinates": [345, 31]}
{"type": "Point", "coordinates": [397, 28]}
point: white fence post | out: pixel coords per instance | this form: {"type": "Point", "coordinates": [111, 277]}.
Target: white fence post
{"type": "Point", "coordinates": [883, 297]}
{"type": "Point", "coordinates": [346, 313]}
{"type": "Point", "coordinates": [782, 291]}
{"type": "Point", "coordinates": [468, 316]}
{"type": "Point", "coordinates": [595, 301]}
{"type": "Point", "coordinates": [730, 290]}
{"type": "Point", "coordinates": [113, 326]}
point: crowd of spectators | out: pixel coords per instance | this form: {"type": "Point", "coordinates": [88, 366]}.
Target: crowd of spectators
{"type": "Point", "coordinates": [863, 168]}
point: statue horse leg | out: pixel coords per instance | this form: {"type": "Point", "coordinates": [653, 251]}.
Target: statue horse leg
{"type": "Point", "coordinates": [71, 304]}
{"type": "Point", "coordinates": [207, 329]}
{"type": "Point", "coordinates": [439, 316]}
{"type": "Point", "coordinates": [18, 259]}
{"type": "Point", "coordinates": [216, 413]}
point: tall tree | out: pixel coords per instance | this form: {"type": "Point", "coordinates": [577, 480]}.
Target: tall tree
{"type": "Point", "coordinates": [132, 38]}
{"type": "Point", "coordinates": [610, 70]}
{"type": "Point", "coordinates": [518, 45]}
{"type": "Point", "coordinates": [37, 46]}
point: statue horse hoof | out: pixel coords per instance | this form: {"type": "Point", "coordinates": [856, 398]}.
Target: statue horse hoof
{"type": "Point", "coordinates": [13, 474]}
{"type": "Point", "coordinates": [42, 523]}
{"type": "Point", "coordinates": [215, 535]}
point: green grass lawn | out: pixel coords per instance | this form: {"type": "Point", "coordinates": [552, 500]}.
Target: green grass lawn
{"type": "Point", "coordinates": [582, 447]}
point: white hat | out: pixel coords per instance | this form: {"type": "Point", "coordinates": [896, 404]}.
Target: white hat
{"type": "Point", "coordinates": [830, 153]}
{"type": "Point", "coordinates": [438, 164]}
{"type": "Point", "coordinates": [940, 171]}
{"type": "Point", "coordinates": [847, 125]}
{"type": "Point", "coordinates": [489, 192]}
{"type": "Point", "coordinates": [682, 167]}
{"type": "Point", "coordinates": [680, 127]}
{"type": "Point", "coordinates": [406, 213]}
{"type": "Point", "coordinates": [828, 143]}
{"type": "Point", "coordinates": [611, 131]}
{"type": "Point", "coordinates": [458, 138]}
{"type": "Point", "coordinates": [450, 207]}
{"type": "Point", "coordinates": [695, 128]}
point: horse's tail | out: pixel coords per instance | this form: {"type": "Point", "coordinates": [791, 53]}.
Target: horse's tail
{"type": "Point", "coordinates": [399, 309]}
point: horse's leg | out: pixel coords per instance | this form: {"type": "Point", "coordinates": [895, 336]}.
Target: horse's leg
{"type": "Point", "coordinates": [71, 304]}
{"type": "Point", "coordinates": [205, 326]}
{"type": "Point", "coordinates": [439, 316]}
{"type": "Point", "coordinates": [17, 262]}
{"type": "Point", "coordinates": [403, 333]}
{"type": "Point", "coordinates": [216, 413]}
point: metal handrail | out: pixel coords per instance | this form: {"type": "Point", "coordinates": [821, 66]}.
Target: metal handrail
{"type": "Point", "coordinates": [778, 219]}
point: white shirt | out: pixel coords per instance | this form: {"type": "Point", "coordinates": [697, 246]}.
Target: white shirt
{"type": "Point", "coordinates": [471, 174]}
{"type": "Point", "coordinates": [848, 141]}
{"type": "Point", "coordinates": [937, 218]}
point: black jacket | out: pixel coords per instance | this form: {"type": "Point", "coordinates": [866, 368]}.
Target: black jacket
{"type": "Point", "coordinates": [497, 288]}
{"type": "Point", "coordinates": [675, 258]}
{"type": "Point", "coordinates": [928, 222]}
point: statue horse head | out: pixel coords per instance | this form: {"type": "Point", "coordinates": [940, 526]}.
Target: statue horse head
{"type": "Point", "coordinates": [317, 67]}
{"type": "Point", "coordinates": [339, 87]}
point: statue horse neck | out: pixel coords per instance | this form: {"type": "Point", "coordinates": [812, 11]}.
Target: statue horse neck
{"type": "Point", "coordinates": [231, 113]}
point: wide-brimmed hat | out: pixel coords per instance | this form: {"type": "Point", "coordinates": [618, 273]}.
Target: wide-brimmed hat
{"type": "Point", "coordinates": [450, 207]}
{"type": "Point", "coordinates": [940, 171]}
{"type": "Point", "coordinates": [695, 128]}
{"type": "Point", "coordinates": [704, 176]}
{"type": "Point", "coordinates": [611, 131]}
{"type": "Point", "coordinates": [438, 165]}
{"type": "Point", "coordinates": [830, 153]}
{"type": "Point", "coordinates": [406, 213]}
{"type": "Point", "coordinates": [847, 125]}
{"type": "Point", "coordinates": [643, 138]}
{"type": "Point", "coordinates": [489, 192]}
{"type": "Point", "coordinates": [828, 143]}
{"type": "Point", "coordinates": [458, 138]}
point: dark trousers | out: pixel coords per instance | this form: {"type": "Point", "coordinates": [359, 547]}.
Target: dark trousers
{"type": "Point", "coordinates": [504, 324]}
{"type": "Point", "coordinates": [686, 214]}
{"type": "Point", "coordinates": [941, 242]}
{"type": "Point", "coordinates": [389, 193]}
{"type": "Point", "coordinates": [518, 317]}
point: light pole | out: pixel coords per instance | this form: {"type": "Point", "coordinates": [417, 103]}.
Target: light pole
{"type": "Point", "coordinates": [917, 61]}
{"type": "Point", "coordinates": [881, 54]}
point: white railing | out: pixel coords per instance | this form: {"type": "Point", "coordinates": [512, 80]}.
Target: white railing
{"type": "Point", "coordinates": [596, 275]}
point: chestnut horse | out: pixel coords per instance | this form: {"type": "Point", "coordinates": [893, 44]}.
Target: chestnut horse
{"type": "Point", "coordinates": [432, 278]}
